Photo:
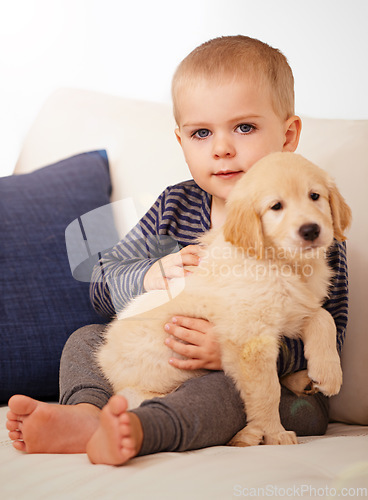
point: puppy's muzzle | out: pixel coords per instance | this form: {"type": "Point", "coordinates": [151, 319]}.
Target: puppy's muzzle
{"type": "Point", "coordinates": [309, 232]}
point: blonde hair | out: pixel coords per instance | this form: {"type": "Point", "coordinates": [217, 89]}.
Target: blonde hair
{"type": "Point", "coordinates": [234, 57]}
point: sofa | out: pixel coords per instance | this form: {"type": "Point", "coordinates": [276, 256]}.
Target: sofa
{"type": "Point", "coordinates": [90, 166]}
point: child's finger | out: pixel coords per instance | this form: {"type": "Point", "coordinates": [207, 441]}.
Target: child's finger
{"type": "Point", "coordinates": [186, 364]}
{"type": "Point", "coordinates": [190, 351]}
{"type": "Point", "coordinates": [190, 249]}
{"type": "Point", "coordinates": [184, 334]}
{"type": "Point", "coordinates": [183, 259]}
{"type": "Point", "coordinates": [196, 324]}
{"type": "Point", "coordinates": [179, 270]}
{"type": "Point", "coordinates": [177, 260]}
{"type": "Point", "coordinates": [190, 259]}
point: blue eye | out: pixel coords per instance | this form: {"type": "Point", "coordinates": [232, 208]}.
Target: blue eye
{"type": "Point", "coordinates": [245, 128]}
{"type": "Point", "coordinates": [202, 133]}
{"type": "Point", "coordinates": [314, 196]}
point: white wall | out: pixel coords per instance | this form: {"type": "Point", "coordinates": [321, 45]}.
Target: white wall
{"type": "Point", "coordinates": [131, 49]}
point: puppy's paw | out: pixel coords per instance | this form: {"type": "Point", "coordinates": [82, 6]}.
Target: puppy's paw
{"type": "Point", "coordinates": [282, 437]}
{"type": "Point", "coordinates": [252, 436]}
{"type": "Point", "coordinates": [326, 376]}
{"type": "Point", "coordinates": [249, 436]}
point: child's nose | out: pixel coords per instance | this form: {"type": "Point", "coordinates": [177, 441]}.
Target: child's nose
{"type": "Point", "coordinates": [223, 147]}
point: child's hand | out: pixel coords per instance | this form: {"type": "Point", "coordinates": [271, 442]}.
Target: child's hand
{"type": "Point", "coordinates": [171, 266]}
{"type": "Point", "coordinates": [202, 350]}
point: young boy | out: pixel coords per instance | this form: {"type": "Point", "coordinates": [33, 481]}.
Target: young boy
{"type": "Point", "coordinates": [233, 104]}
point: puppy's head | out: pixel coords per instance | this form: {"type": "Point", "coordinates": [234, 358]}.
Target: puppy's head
{"type": "Point", "coordinates": [285, 202]}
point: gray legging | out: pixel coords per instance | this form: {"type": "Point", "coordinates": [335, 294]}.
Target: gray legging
{"type": "Point", "coordinates": [204, 411]}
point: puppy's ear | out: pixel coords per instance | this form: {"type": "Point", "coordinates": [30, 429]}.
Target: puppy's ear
{"type": "Point", "coordinates": [341, 213]}
{"type": "Point", "coordinates": [243, 228]}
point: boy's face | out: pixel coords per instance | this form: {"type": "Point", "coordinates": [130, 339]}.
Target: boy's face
{"type": "Point", "coordinates": [225, 128]}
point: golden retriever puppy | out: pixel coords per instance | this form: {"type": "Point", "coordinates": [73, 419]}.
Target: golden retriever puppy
{"type": "Point", "coordinates": [262, 276]}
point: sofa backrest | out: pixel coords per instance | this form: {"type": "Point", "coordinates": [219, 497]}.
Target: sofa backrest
{"type": "Point", "coordinates": [145, 157]}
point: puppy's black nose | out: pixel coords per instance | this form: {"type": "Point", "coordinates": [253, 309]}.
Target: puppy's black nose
{"type": "Point", "coordinates": [309, 232]}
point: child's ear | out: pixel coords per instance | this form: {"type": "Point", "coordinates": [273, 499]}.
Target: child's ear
{"type": "Point", "coordinates": [243, 228]}
{"type": "Point", "coordinates": [178, 135]}
{"type": "Point", "coordinates": [293, 127]}
{"type": "Point", "coordinates": [341, 212]}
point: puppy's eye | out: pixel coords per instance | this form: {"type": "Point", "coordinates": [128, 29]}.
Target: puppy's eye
{"type": "Point", "coordinates": [277, 206]}
{"type": "Point", "coordinates": [314, 196]}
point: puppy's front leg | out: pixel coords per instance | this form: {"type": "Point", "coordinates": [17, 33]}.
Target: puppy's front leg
{"type": "Point", "coordinates": [253, 368]}
{"type": "Point", "coordinates": [324, 368]}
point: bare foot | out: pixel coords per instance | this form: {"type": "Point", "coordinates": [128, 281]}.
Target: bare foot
{"type": "Point", "coordinates": [37, 427]}
{"type": "Point", "coordinates": [119, 436]}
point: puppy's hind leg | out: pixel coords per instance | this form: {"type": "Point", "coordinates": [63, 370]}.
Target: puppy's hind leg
{"type": "Point", "coordinates": [299, 383]}
{"type": "Point", "coordinates": [253, 368]}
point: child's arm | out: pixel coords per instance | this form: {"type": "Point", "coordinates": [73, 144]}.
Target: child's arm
{"type": "Point", "coordinates": [174, 221]}
{"type": "Point", "coordinates": [291, 357]}
{"type": "Point", "coordinates": [119, 275]}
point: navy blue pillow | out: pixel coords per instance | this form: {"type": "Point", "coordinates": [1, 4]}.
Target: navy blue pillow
{"type": "Point", "coordinates": [41, 303]}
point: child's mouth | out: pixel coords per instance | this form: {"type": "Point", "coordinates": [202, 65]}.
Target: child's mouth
{"type": "Point", "coordinates": [228, 174]}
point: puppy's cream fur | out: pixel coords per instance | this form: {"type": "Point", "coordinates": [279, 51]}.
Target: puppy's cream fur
{"type": "Point", "coordinates": [258, 280]}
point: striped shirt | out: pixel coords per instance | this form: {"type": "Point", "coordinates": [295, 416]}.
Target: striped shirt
{"type": "Point", "coordinates": [177, 218]}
